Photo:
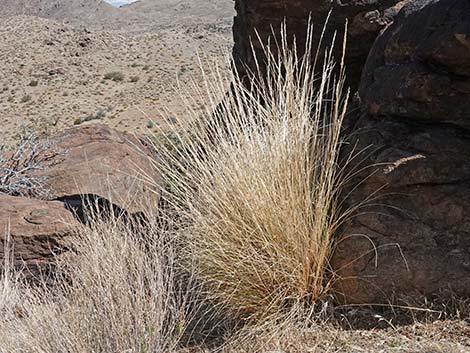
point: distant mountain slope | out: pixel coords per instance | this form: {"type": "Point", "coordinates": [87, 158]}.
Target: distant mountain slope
{"type": "Point", "coordinates": [54, 75]}
{"type": "Point", "coordinates": [140, 16]}
{"type": "Point", "coordinates": [96, 13]}
{"type": "Point", "coordinates": [163, 12]}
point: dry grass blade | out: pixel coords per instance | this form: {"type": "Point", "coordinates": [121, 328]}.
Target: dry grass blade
{"type": "Point", "coordinates": [257, 188]}
{"type": "Point", "coordinates": [118, 293]}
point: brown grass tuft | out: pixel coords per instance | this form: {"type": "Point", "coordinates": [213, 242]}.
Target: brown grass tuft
{"type": "Point", "coordinates": [257, 188]}
{"type": "Point", "coordinates": [117, 293]}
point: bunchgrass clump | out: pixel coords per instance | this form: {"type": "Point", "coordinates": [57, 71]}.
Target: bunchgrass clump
{"type": "Point", "coordinates": [256, 189]}
{"type": "Point", "coordinates": [117, 292]}
{"type": "Point", "coordinates": [115, 76]}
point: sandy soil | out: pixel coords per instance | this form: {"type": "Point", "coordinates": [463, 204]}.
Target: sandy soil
{"type": "Point", "coordinates": [55, 75]}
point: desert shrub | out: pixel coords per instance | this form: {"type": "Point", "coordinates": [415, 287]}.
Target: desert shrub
{"type": "Point", "coordinates": [115, 76]}
{"type": "Point", "coordinates": [150, 124]}
{"type": "Point", "coordinates": [26, 98]}
{"type": "Point", "coordinates": [100, 114]}
{"type": "Point", "coordinates": [257, 188]}
{"type": "Point", "coordinates": [18, 164]}
{"type": "Point", "coordinates": [117, 293]}
{"type": "Point", "coordinates": [33, 83]}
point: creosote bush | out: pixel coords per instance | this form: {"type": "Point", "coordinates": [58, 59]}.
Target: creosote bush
{"type": "Point", "coordinates": [257, 188]}
{"type": "Point", "coordinates": [26, 98]}
{"type": "Point", "coordinates": [115, 76]}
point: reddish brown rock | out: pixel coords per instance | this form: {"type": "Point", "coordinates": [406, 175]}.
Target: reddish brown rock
{"type": "Point", "coordinates": [412, 239]}
{"type": "Point", "coordinates": [420, 66]}
{"type": "Point", "coordinates": [366, 18]}
{"type": "Point", "coordinates": [103, 165]}
{"type": "Point", "coordinates": [38, 231]}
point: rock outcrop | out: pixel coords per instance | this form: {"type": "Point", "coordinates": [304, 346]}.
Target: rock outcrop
{"type": "Point", "coordinates": [413, 238]}
{"type": "Point", "coordinates": [420, 67]}
{"type": "Point", "coordinates": [366, 19]}
{"type": "Point", "coordinates": [94, 163]}
{"type": "Point", "coordinates": [37, 231]}
{"type": "Point", "coordinates": [87, 166]}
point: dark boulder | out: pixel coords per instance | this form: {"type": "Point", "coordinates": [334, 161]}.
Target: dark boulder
{"type": "Point", "coordinates": [411, 238]}
{"type": "Point", "coordinates": [366, 19]}
{"type": "Point", "coordinates": [420, 66]}
{"type": "Point", "coordinates": [412, 235]}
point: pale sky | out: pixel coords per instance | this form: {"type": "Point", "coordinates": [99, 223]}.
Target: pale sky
{"type": "Point", "coordinates": [119, 2]}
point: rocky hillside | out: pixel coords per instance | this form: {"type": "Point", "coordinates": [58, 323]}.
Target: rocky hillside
{"type": "Point", "coordinates": [141, 16]}
{"type": "Point", "coordinates": [83, 12]}
{"type": "Point", "coordinates": [54, 74]}
{"type": "Point", "coordinates": [164, 13]}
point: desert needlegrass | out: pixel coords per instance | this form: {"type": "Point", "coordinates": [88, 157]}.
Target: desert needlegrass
{"type": "Point", "coordinates": [256, 189]}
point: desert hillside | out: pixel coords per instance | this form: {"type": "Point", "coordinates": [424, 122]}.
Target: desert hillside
{"type": "Point", "coordinates": [83, 12]}
{"type": "Point", "coordinates": [55, 75]}
{"type": "Point", "coordinates": [141, 16]}
{"type": "Point", "coordinates": [164, 13]}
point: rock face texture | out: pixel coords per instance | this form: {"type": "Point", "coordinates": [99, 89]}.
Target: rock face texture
{"type": "Point", "coordinates": [365, 18]}
{"type": "Point", "coordinates": [99, 164]}
{"type": "Point", "coordinates": [424, 58]}
{"type": "Point", "coordinates": [38, 231]}
{"type": "Point", "coordinates": [411, 62]}
{"type": "Point", "coordinates": [85, 166]}
{"type": "Point", "coordinates": [413, 238]}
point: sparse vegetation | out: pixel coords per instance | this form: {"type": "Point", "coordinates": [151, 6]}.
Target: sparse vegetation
{"type": "Point", "coordinates": [18, 164]}
{"type": "Point", "coordinates": [115, 76]}
{"type": "Point", "coordinates": [26, 98]}
{"type": "Point", "coordinates": [123, 296]}
{"type": "Point", "coordinates": [237, 256]}
{"type": "Point", "coordinates": [100, 114]}
{"type": "Point", "coordinates": [150, 124]}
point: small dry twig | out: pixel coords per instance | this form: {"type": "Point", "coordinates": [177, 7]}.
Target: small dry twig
{"type": "Point", "coordinates": [17, 167]}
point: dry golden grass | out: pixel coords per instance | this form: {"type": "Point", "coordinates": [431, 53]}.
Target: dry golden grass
{"type": "Point", "coordinates": [118, 293]}
{"type": "Point", "coordinates": [324, 337]}
{"type": "Point", "coordinates": [257, 187]}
